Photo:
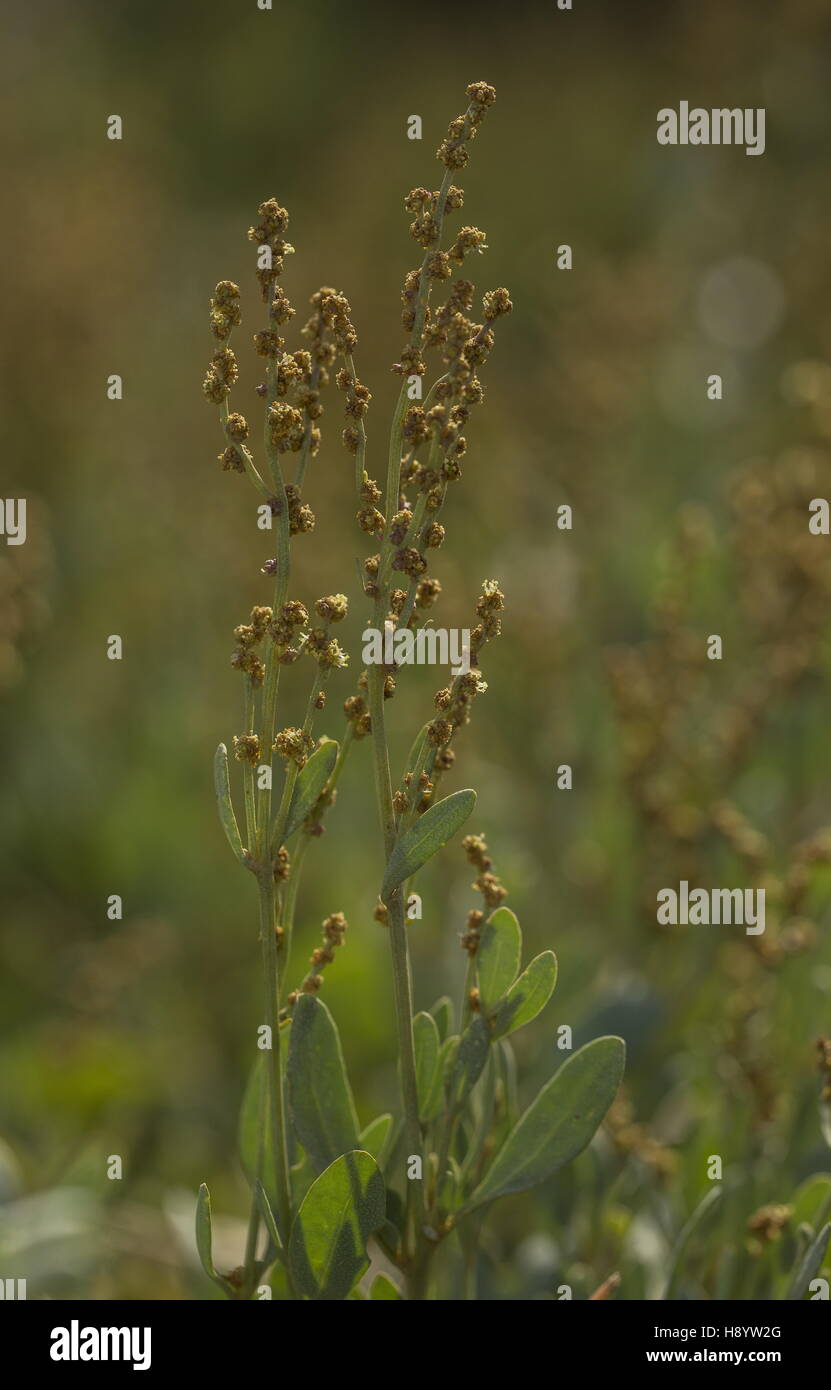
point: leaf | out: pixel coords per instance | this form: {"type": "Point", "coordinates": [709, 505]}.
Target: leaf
{"type": "Point", "coordinates": [468, 1061]}
{"type": "Point", "coordinates": [256, 1094]}
{"type": "Point", "coordinates": [447, 1054]}
{"type": "Point", "coordinates": [268, 1217]}
{"type": "Point", "coordinates": [374, 1137]}
{"type": "Point", "coordinates": [225, 806]}
{"type": "Point", "coordinates": [327, 1248]}
{"type": "Point", "coordinates": [808, 1267]}
{"type": "Point", "coordinates": [527, 997]}
{"type": "Point", "coordinates": [558, 1124]}
{"type": "Point", "coordinates": [697, 1216]}
{"type": "Point", "coordinates": [428, 1076]}
{"type": "Point", "coordinates": [320, 1100]}
{"type": "Point", "coordinates": [311, 780]}
{"type": "Point", "coordinates": [424, 839]}
{"type": "Point", "coordinates": [383, 1288]}
{"type": "Point", "coordinates": [812, 1202]}
{"type": "Point", "coordinates": [204, 1240]}
{"type": "Point", "coordinates": [442, 1012]}
{"type": "Point", "coordinates": [498, 957]}
{"type": "Point", "coordinates": [416, 750]}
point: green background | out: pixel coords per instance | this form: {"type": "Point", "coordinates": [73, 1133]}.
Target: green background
{"type": "Point", "coordinates": [134, 1037]}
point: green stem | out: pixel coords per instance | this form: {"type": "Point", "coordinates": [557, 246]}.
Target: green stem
{"type": "Point", "coordinates": [300, 474]}
{"type": "Point", "coordinates": [360, 457]}
{"type": "Point", "coordinates": [293, 771]}
{"type": "Point", "coordinates": [248, 774]}
{"type": "Point", "coordinates": [402, 984]}
{"type": "Point", "coordinates": [275, 1072]}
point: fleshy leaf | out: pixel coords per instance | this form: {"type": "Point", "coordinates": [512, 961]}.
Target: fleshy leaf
{"type": "Point", "coordinates": [558, 1124]}
{"type": "Point", "coordinates": [527, 997]}
{"type": "Point", "coordinates": [374, 1137]}
{"type": "Point", "coordinates": [428, 1076]}
{"type": "Point", "coordinates": [268, 1217]}
{"type": "Point", "coordinates": [812, 1202]}
{"type": "Point", "coordinates": [204, 1240]}
{"type": "Point", "coordinates": [256, 1094]}
{"type": "Point", "coordinates": [497, 957]}
{"type": "Point", "coordinates": [327, 1248]}
{"type": "Point", "coordinates": [424, 839]}
{"type": "Point", "coordinates": [809, 1265]}
{"type": "Point", "coordinates": [320, 1099]}
{"type": "Point", "coordinates": [224, 804]}
{"type": "Point", "coordinates": [442, 1012]}
{"type": "Point", "coordinates": [697, 1217]}
{"type": "Point", "coordinates": [468, 1061]}
{"type": "Point", "coordinates": [311, 780]}
{"type": "Point", "coordinates": [416, 750]}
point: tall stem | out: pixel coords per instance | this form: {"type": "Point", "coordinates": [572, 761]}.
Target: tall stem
{"type": "Point", "coordinates": [402, 984]}
{"type": "Point", "coordinates": [271, 969]}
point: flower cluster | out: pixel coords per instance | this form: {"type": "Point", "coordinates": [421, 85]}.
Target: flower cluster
{"type": "Point", "coordinates": [334, 930]}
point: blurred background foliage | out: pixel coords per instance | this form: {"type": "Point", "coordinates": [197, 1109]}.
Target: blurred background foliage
{"type": "Point", "coordinates": [690, 517]}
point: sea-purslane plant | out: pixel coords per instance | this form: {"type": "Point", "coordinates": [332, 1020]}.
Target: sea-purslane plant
{"type": "Point", "coordinates": [327, 1195]}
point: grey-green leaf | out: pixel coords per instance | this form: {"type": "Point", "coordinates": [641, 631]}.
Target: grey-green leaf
{"type": "Point", "coordinates": [558, 1124]}
{"type": "Point", "coordinates": [268, 1217]}
{"type": "Point", "coordinates": [311, 780]}
{"type": "Point", "coordinates": [374, 1137]}
{"type": "Point", "coordinates": [256, 1095]}
{"type": "Point", "coordinates": [327, 1248]}
{"type": "Point", "coordinates": [204, 1241]}
{"type": "Point", "coordinates": [527, 997]}
{"type": "Point", "coordinates": [224, 804]}
{"type": "Point", "coordinates": [809, 1265]}
{"type": "Point", "coordinates": [424, 839]}
{"type": "Point", "coordinates": [416, 749]}
{"type": "Point", "coordinates": [498, 957]}
{"type": "Point", "coordinates": [320, 1100]}
{"type": "Point", "coordinates": [428, 1076]}
{"type": "Point", "coordinates": [699, 1215]}
{"type": "Point", "coordinates": [442, 1012]}
{"type": "Point", "coordinates": [470, 1057]}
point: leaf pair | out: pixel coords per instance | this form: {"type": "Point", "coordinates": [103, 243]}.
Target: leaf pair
{"type": "Point", "coordinates": [310, 782]}
{"type": "Point", "coordinates": [507, 1002]}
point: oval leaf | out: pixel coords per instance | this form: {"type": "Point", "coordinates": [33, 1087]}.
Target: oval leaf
{"type": "Point", "coordinates": [225, 807]}
{"type": "Point", "coordinates": [559, 1124]}
{"type": "Point", "coordinates": [498, 957]}
{"type": "Point", "coordinates": [319, 1097]}
{"type": "Point", "coordinates": [424, 839]}
{"type": "Point", "coordinates": [527, 997]}
{"type": "Point", "coordinates": [428, 1076]}
{"type": "Point", "coordinates": [327, 1249]}
{"type": "Point", "coordinates": [311, 780]}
